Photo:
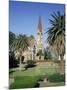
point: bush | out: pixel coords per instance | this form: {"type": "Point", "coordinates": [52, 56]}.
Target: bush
{"type": "Point", "coordinates": [30, 63]}
{"type": "Point", "coordinates": [56, 78]}
{"type": "Point", "coordinates": [56, 61]}
{"type": "Point", "coordinates": [42, 78]}
{"type": "Point", "coordinates": [47, 55]}
{"type": "Point", "coordinates": [12, 61]}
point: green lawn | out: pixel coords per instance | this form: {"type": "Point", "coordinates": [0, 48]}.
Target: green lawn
{"type": "Point", "coordinates": [25, 82]}
{"type": "Point", "coordinates": [34, 71]}
{"type": "Point", "coordinates": [29, 78]}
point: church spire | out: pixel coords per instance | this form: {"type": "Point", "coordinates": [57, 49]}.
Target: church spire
{"type": "Point", "coordinates": [39, 39]}
{"type": "Point", "coordinates": [39, 25]}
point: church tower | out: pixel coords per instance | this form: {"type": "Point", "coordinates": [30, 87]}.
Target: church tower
{"type": "Point", "coordinates": [39, 36]}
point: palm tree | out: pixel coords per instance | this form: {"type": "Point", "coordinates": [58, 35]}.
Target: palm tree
{"type": "Point", "coordinates": [56, 33]}
{"type": "Point", "coordinates": [31, 40]}
{"type": "Point", "coordinates": [20, 44]}
{"type": "Point", "coordinates": [56, 36]}
{"type": "Point", "coordinates": [12, 37]}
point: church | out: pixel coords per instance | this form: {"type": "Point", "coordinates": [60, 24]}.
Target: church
{"type": "Point", "coordinates": [36, 51]}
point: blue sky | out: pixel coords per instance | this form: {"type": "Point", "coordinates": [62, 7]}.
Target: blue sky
{"type": "Point", "coordinates": [23, 16]}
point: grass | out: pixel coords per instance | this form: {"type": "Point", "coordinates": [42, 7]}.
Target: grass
{"type": "Point", "coordinates": [34, 71]}
{"type": "Point", "coordinates": [25, 82]}
{"type": "Point", "coordinates": [29, 78]}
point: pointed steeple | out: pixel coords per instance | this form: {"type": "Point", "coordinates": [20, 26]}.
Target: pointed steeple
{"type": "Point", "coordinates": [39, 25]}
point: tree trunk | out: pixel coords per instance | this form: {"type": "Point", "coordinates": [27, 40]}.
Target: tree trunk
{"type": "Point", "coordinates": [62, 65]}
{"type": "Point", "coordinates": [59, 58]}
{"type": "Point", "coordinates": [20, 65]}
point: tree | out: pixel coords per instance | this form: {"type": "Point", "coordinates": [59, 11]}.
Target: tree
{"type": "Point", "coordinates": [20, 44]}
{"type": "Point", "coordinates": [31, 40]}
{"type": "Point", "coordinates": [40, 54]}
{"type": "Point", "coordinates": [47, 54]}
{"type": "Point", "coordinates": [11, 38]}
{"type": "Point", "coordinates": [56, 34]}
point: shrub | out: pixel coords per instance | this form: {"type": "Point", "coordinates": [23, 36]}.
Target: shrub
{"type": "Point", "coordinates": [56, 78]}
{"type": "Point", "coordinates": [12, 61]}
{"type": "Point", "coordinates": [42, 78]}
{"type": "Point", "coordinates": [47, 55]}
{"type": "Point", "coordinates": [30, 63]}
{"type": "Point", "coordinates": [56, 61]}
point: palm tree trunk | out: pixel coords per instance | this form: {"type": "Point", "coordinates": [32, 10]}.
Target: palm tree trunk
{"type": "Point", "coordinates": [59, 58]}
{"type": "Point", "coordinates": [61, 65]}
{"type": "Point", "coordinates": [20, 65]}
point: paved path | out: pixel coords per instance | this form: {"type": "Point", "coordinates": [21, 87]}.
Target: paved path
{"type": "Point", "coordinates": [43, 84]}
